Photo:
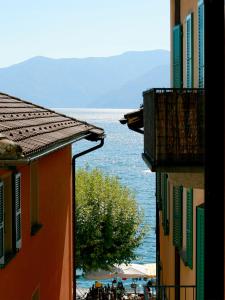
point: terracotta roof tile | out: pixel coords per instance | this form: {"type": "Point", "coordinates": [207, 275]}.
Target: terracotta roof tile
{"type": "Point", "coordinates": [34, 128]}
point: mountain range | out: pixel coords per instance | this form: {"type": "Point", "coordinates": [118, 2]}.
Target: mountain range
{"type": "Point", "coordinates": [107, 82]}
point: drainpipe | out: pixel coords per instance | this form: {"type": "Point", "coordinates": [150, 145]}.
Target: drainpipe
{"type": "Point", "coordinates": [74, 206]}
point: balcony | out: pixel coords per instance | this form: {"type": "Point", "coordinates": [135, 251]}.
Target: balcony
{"type": "Point", "coordinates": [174, 130]}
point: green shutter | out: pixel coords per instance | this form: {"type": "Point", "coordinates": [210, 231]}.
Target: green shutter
{"type": "Point", "coordinates": [177, 216]}
{"type": "Point", "coordinates": [201, 44]}
{"type": "Point", "coordinates": [17, 205]}
{"type": "Point", "coordinates": [165, 221]}
{"type": "Point", "coordinates": [2, 250]}
{"type": "Point", "coordinates": [189, 229]}
{"type": "Point", "coordinates": [177, 56]}
{"type": "Point", "coordinates": [158, 190]}
{"type": "Point", "coordinates": [200, 272]}
{"type": "Point", "coordinates": [189, 51]}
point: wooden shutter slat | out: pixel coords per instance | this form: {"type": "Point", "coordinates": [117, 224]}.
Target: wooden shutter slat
{"type": "Point", "coordinates": [201, 45]}
{"type": "Point", "coordinates": [177, 56]}
{"type": "Point", "coordinates": [2, 250]}
{"type": "Point", "coordinates": [165, 221]}
{"type": "Point", "coordinates": [17, 199]}
{"type": "Point", "coordinates": [158, 190]}
{"type": "Point", "coordinates": [189, 51]}
{"type": "Point", "coordinates": [189, 229]}
{"type": "Point", "coordinates": [200, 253]}
{"type": "Point", "coordinates": [177, 216]}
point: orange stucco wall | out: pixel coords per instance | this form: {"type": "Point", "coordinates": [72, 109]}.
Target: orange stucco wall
{"type": "Point", "coordinates": [167, 249]}
{"type": "Point", "coordinates": [187, 275]}
{"type": "Point", "coordinates": [45, 259]}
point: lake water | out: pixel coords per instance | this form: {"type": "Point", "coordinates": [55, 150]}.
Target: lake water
{"type": "Point", "coordinates": [120, 156]}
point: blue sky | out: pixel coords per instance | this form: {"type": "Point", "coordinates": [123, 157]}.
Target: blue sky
{"type": "Point", "coordinates": [81, 28]}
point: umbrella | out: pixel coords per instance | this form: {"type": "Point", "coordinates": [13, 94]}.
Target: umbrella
{"type": "Point", "coordinates": [103, 274]}
{"type": "Point", "coordinates": [137, 270]}
{"type": "Point", "coordinates": [124, 271]}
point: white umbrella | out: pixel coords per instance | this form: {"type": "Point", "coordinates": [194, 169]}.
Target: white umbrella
{"type": "Point", "coordinates": [124, 271]}
{"type": "Point", "coordinates": [137, 270]}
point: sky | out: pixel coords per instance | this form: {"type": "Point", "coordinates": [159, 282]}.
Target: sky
{"type": "Point", "coordinates": [81, 28]}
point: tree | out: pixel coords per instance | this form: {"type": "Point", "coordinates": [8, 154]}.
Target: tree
{"type": "Point", "coordinates": [108, 221]}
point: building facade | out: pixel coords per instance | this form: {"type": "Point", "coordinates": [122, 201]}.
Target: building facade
{"type": "Point", "coordinates": [174, 132]}
{"type": "Point", "coordinates": [36, 204]}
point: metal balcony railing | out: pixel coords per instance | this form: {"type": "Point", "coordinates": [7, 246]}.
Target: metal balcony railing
{"type": "Point", "coordinates": [174, 128]}
{"type": "Point", "coordinates": [170, 292]}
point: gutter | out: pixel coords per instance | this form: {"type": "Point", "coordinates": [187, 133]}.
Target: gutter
{"type": "Point", "coordinates": [95, 138]}
{"type": "Point", "coordinates": [39, 154]}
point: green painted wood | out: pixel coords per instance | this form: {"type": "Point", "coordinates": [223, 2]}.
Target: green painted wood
{"type": "Point", "coordinates": [177, 216]}
{"type": "Point", "coordinates": [189, 229]}
{"type": "Point", "coordinates": [165, 221]}
{"type": "Point", "coordinates": [189, 51]}
{"type": "Point", "coordinates": [158, 190]}
{"type": "Point", "coordinates": [2, 250]}
{"type": "Point", "coordinates": [177, 56]}
{"type": "Point", "coordinates": [201, 66]}
{"type": "Point", "coordinates": [17, 194]}
{"type": "Point", "coordinates": [200, 266]}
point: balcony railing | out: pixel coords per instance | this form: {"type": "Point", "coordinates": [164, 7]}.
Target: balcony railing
{"type": "Point", "coordinates": [174, 129]}
{"type": "Point", "coordinates": [170, 292]}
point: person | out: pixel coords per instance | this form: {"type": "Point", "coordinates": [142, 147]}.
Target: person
{"type": "Point", "coordinates": [98, 284]}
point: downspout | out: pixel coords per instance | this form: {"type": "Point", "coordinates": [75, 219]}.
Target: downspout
{"type": "Point", "coordinates": [74, 206]}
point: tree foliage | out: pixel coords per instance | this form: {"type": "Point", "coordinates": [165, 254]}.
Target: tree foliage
{"type": "Point", "coordinates": [108, 221]}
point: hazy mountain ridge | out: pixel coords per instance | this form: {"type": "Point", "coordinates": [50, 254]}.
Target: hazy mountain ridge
{"type": "Point", "coordinates": [116, 81]}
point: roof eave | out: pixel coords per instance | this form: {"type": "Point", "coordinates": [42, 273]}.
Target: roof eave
{"type": "Point", "coordinates": [92, 136]}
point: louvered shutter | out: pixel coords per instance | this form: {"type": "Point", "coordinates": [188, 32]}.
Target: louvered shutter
{"type": "Point", "coordinates": [200, 272]}
{"type": "Point", "coordinates": [177, 216]}
{"type": "Point", "coordinates": [158, 190]}
{"type": "Point", "coordinates": [189, 51]}
{"type": "Point", "coordinates": [2, 250]}
{"type": "Point", "coordinates": [17, 205]}
{"type": "Point", "coordinates": [201, 67]}
{"type": "Point", "coordinates": [177, 56]}
{"type": "Point", "coordinates": [165, 221]}
{"type": "Point", "coordinates": [189, 229]}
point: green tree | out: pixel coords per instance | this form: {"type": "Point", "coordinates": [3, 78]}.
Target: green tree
{"type": "Point", "coordinates": [108, 221]}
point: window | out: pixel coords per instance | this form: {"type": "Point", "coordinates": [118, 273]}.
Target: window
{"type": "Point", "coordinates": [189, 51]}
{"type": "Point", "coordinates": [177, 56]}
{"type": "Point", "coordinates": [10, 216]}
{"type": "Point", "coordinates": [34, 198]}
{"type": "Point", "coordinates": [201, 64]}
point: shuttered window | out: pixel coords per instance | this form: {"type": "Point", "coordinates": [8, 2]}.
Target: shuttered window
{"type": "Point", "coordinates": [201, 67]}
{"type": "Point", "coordinates": [189, 228]}
{"type": "Point", "coordinates": [177, 216]}
{"type": "Point", "coordinates": [200, 272]}
{"type": "Point", "coordinates": [177, 56]}
{"type": "Point", "coordinates": [2, 248]}
{"type": "Point", "coordinates": [189, 51]}
{"type": "Point", "coordinates": [158, 190]}
{"type": "Point", "coordinates": [165, 219]}
{"type": "Point", "coordinates": [17, 211]}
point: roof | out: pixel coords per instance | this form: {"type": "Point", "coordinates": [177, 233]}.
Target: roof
{"type": "Point", "coordinates": [134, 120]}
{"type": "Point", "coordinates": [26, 128]}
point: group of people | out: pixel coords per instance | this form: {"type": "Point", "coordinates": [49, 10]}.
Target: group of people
{"type": "Point", "coordinates": [107, 292]}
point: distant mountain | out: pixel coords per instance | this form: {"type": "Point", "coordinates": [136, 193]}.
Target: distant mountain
{"type": "Point", "coordinates": [116, 81]}
{"type": "Point", "coordinates": [130, 94]}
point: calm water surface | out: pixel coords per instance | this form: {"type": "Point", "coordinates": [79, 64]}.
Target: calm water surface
{"type": "Point", "coordinates": [120, 156]}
